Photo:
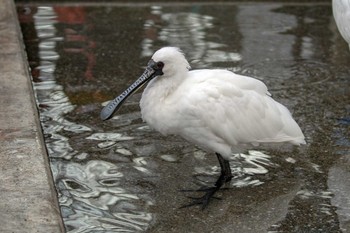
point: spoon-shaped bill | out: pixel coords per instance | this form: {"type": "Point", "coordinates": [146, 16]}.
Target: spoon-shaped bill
{"type": "Point", "coordinates": [108, 111]}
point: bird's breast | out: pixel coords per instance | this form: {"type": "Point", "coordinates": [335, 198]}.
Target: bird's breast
{"type": "Point", "coordinates": [158, 109]}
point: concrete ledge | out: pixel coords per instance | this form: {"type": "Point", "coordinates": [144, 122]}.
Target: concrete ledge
{"type": "Point", "coordinates": [28, 201]}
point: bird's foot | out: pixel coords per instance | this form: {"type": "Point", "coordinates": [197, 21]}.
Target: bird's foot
{"type": "Point", "coordinates": [205, 199]}
{"type": "Point", "coordinates": [225, 177]}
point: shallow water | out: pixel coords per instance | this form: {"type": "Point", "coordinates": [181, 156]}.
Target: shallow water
{"type": "Point", "coordinates": [121, 176]}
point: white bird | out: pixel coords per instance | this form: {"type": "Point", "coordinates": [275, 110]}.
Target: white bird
{"type": "Point", "coordinates": [216, 109]}
{"type": "Point", "coordinates": [341, 13]}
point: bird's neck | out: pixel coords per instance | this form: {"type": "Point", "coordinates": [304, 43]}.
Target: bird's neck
{"type": "Point", "coordinates": [159, 101]}
{"type": "Point", "coordinates": [162, 86]}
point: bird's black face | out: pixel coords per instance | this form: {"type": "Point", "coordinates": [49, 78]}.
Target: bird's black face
{"type": "Point", "coordinates": [156, 66]}
{"type": "Point", "coordinates": [152, 70]}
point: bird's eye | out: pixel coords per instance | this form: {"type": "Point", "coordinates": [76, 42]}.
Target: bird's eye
{"type": "Point", "coordinates": [160, 65]}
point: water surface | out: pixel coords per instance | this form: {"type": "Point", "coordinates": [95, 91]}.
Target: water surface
{"type": "Point", "coordinates": [121, 176]}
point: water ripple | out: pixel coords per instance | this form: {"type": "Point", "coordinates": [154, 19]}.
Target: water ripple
{"type": "Point", "coordinates": [121, 176]}
{"type": "Point", "coordinates": [109, 137]}
{"type": "Point", "coordinates": [92, 191]}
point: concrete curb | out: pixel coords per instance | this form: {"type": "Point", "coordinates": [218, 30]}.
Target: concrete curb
{"type": "Point", "coordinates": [28, 201]}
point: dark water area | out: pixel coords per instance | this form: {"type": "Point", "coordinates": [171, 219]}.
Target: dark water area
{"type": "Point", "coordinates": [121, 176]}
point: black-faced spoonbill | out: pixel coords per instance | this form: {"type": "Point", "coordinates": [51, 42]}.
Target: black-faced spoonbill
{"type": "Point", "coordinates": [341, 13]}
{"type": "Point", "coordinates": [218, 110]}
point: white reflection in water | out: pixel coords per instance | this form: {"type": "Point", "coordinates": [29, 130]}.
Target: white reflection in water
{"type": "Point", "coordinates": [76, 128]}
{"type": "Point", "coordinates": [169, 158]}
{"type": "Point", "coordinates": [47, 45]}
{"type": "Point", "coordinates": [123, 151]}
{"type": "Point", "coordinates": [109, 137]}
{"type": "Point", "coordinates": [187, 30]}
{"type": "Point", "coordinates": [244, 168]}
{"type": "Point", "coordinates": [58, 147]}
{"type": "Point", "coordinates": [91, 195]}
{"type": "Point", "coordinates": [92, 198]}
{"type": "Point", "coordinates": [254, 162]}
{"type": "Point", "coordinates": [143, 170]}
{"type": "Point", "coordinates": [48, 55]}
{"type": "Point", "coordinates": [107, 144]}
{"type": "Point", "coordinates": [306, 194]}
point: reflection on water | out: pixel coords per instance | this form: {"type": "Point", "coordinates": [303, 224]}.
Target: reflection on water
{"type": "Point", "coordinates": [120, 176]}
{"type": "Point", "coordinates": [90, 193]}
{"type": "Point", "coordinates": [187, 30]}
{"type": "Point", "coordinates": [91, 197]}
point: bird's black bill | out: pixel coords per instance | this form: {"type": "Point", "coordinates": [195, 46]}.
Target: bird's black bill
{"type": "Point", "coordinates": [150, 72]}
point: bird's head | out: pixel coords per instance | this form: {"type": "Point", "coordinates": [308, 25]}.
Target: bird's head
{"type": "Point", "coordinates": [165, 62]}
{"type": "Point", "coordinates": [171, 59]}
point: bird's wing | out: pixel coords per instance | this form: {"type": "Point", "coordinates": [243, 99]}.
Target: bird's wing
{"type": "Point", "coordinates": [341, 12]}
{"type": "Point", "coordinates": [234, 110]}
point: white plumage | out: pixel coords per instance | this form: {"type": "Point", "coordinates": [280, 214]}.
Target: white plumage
{"type": "Point", "coordinates": [341, 13]}
{"type": "Point", "coordinates": [216, 109]}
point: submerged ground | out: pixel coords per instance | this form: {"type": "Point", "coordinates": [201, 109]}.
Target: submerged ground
{"type": "Point", "coordinates": [120, 175]}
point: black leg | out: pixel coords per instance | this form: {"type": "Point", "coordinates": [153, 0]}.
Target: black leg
{"type": "Point", "coordinates": [226, 174]}
{"type": "Point", "coordinates": [224, 177]}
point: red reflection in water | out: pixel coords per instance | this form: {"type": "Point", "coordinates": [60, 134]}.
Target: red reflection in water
{"type": "Point", "coordinates": [73, 24]}
{"type": "Point", "coordinates": [75, 35]}
{"type": "Point", "coordinates": [70, 15]}
{"type": "Point", "coordinates": [73, 16]}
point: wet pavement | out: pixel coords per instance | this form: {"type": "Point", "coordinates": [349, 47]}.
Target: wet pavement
{"type": "Point", "coordinates": [121, 176]}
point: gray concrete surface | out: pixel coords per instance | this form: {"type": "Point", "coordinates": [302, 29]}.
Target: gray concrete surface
{"type": "Point", "coordinates": [27, 200]}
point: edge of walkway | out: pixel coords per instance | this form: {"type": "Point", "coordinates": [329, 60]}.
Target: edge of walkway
{"type": "Point", "coordinates": [28, 199]}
